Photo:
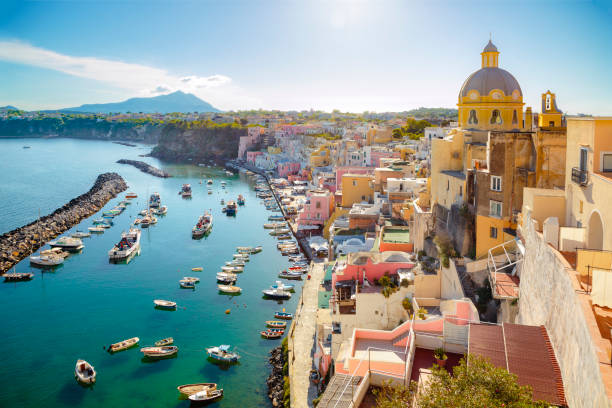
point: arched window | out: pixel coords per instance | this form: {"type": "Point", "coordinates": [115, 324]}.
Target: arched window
{"type": "Point", "coordinates": [514, 118]}
{"type": "Point", "coordinates": [472, 119]}
{"type": "Point", "coordinates": [496, 118]}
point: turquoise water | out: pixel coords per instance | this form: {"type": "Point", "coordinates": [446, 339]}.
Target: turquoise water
{"type": "Point", "coordinates": [58, 317]}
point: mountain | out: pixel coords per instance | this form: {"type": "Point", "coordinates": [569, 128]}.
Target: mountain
{"type": "Point", "coordinates": [7, 108]}
{"type": "Point", "coordinates": [175, 102]}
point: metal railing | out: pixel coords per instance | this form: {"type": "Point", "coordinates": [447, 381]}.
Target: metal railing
{"type": "Point", "coordinates": [580, 176]}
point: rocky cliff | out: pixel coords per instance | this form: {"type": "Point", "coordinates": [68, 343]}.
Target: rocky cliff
{"type": "Point", "coordinates": [198, 142]}
{"type": "Point", "coordinates": [82, 128]}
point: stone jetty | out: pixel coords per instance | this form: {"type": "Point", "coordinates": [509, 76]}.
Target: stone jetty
{"type": "Point", "coordinates": [145, 168]}
{"type": "Point", "coordinates": [276, 380]}
{"type": "Point", "coordinates": [21, 242]}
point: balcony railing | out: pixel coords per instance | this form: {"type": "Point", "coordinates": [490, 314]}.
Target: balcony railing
{"type": "Point", "coordinates": [580, 176]}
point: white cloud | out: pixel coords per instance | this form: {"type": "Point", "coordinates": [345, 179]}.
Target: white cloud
{"type": "Point", "coordinates": [135, 78]}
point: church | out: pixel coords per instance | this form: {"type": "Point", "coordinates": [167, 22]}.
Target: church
{"type": "Point", "coordinates": [479, 170]}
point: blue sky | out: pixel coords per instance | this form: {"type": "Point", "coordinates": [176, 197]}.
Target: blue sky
{"type": "Point", "coordinates": [372, 55]}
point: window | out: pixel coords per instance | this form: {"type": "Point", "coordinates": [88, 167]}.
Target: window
{"type": "Point", "coordinates": [447, 185]}
{"type": "Point", "coordinates": [551, 123]}
{"type": "Point", "coordinates": [354, 183]}
{"type": "Point", "coordinates": [496, 183]}
{"type": "Point", "coordinates": [473, 120]}
{"type": "Point", "coordinates": [584, 154]}
{"type": "Point", "coordinates": [606, 162]}
{"type": "Point", "coordinates": [363, 198]}
{"type": "Point", "coordinates": [548, 102]}
{"type": "Point", "coordinates": [496, 118]}
{"type": "Point", "coordinates": [495, 208]}
{"type": "Point", "coordinates": [493, 232]}
{"type": "Point", "coordinates": [460, 191]}
{"type": "Point", "coordinates": [514, 118]}
{"type": "Point", "coordinates": [318, 205]}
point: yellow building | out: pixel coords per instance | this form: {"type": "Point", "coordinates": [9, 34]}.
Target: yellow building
{"type": "Point", "coordinates": [378, 135]}
{"type": "Point", "coordinates": [274, 150]}
{"type": "Point", "coordinates": [320, 157]}
{"type": "Point", "coordinates": [357, 188]}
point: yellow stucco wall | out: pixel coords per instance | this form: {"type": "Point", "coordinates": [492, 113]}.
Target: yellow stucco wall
{"type": "Point", "coordinates": [484, 242]}
{"type": "Point", "coordinates": [445, 155]}
{"type": "Point", "coordinates": [356, 188]}
{"type": "Point", "coordinates": [543, 203]}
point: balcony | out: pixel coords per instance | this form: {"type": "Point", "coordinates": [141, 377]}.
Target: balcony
{"type": "Point", "coordinates": [580, 176]}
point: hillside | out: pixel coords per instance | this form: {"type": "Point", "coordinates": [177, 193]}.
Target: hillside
{"type": "Point", "coordinates": [175, 102]}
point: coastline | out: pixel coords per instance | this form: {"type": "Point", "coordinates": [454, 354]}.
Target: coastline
{"type": "Point", "coordinates": [19, 243]}
{"type": "Point", "coordinates": [145, 167]}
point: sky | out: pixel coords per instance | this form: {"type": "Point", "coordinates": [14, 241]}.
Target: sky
{"type": "Point", "coordinates": [374, 55]}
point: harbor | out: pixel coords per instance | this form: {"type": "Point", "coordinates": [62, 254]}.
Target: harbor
{"type": "Point", "coordinates": [116, 299]}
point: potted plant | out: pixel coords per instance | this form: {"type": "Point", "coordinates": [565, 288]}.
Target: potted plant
{"type": "Point", "coordinates": [440, 356]}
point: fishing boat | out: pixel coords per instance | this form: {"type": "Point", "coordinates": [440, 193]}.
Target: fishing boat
{"type": "Point", "coordinates": [279, 231]}
{"type": "Point", "coordinates": [161, 210]}
{"type": "Point", "coordinates": [105, 225]}
{"type": "Point", "coordinates": [130, 195]}
{"type": "Point", "coordinates": [185, 191]}
{"type": "Point", "coordinates": [277, 324]}
{"type": "Point", "coordinates": [229, 289]}
{"type": "Point", "coordinates": [187, 284]}
{"type": "Point", "coordinates": [300, 269]}
{"type": "Point", "coordinates": [241, 200]}
{"type": "Point", "coordinates": [80, 234]}
{"type": "Point", "coordinates": [197, 269]}
{"type": "Point", "coordinates": [159, 352]}
{"type": "Point", "coordinates": [164, 304]}
{"type": "Point", "coordinates": [191, 278]}
{"type": "Point", "coordinates": [272, 333]}
{"type": "Point", "coordinates": [283, 237]}
{"type": "Point", "coordinates": [256, 250]}
{"type": "Point", "coordinates": [84, 372]}
{"type": "Point", "coordinates": [290, 275]}
{"type": "Point", "coordinates": [223, 354]}
{"type": "Point", "coordinates": [203, 226]}
{"type": "Point", "coordinates": [283, 286]}
{"type": "Point", "coordinates": [276, 293]}
{"type": "Point", "coordinates": [244, 249]}
{"type": "Point", "coordinates": [95, 229]}
{"type": "Point", "coordinates": [206, 396]}
{"type": "Point", "coordinates": [227, 277]}
{"type": "Point", "coordinates": [17, 276]}
{"type": "Point", "coordinates": [127, 246]}
{"type": "Point", "coordinates": [242, 257]}
{"type": "Point", "coordinates": [274, 225]}
{"type": "Point", "coordinates": [190, 389]}
{"type": "Point", "coordinates": [123, 345]}
{"type": "Point", "coordinates": [111, 213]}
{"type": "Point", "coordinates": [231, 208]}
{"type": "Point", "coordinates": [283, 315]}
{"type": "Point", "coordinates": [46, 260]}
{"type": "Point", "coordinates": [209, 182]}
{"type": "Point", "coordinates": [164, 342]}
{"type": "Point", "coordinates": [234, 269]}
{"type": "Point", "coordinates": [154, 200]}
{"type": "Point", "coordinates": [276, 218]}
{"type": "Point", "coordinates": [235, 262]}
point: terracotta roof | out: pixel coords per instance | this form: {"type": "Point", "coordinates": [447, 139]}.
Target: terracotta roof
{"type": "Point", "coordinates": [525, 351]}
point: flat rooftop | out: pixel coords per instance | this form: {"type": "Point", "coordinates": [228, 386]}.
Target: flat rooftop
{"type": "Point", "coordinates": [395, 235]}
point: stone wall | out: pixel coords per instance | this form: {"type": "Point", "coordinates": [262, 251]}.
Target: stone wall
{"type": "Point", "coordinates": [547, 297]}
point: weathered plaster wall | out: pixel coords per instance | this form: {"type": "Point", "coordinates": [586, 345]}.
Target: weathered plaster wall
{"type": "Point", "coordinates": [547, 298]}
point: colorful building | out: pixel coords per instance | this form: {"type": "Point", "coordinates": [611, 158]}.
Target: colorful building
{"type": "Point", "coordinates": [357, 188]}
{"type": "Point", "coordinates": [317, 209]}
{"type": "Point", "coordinates": [286, 168]}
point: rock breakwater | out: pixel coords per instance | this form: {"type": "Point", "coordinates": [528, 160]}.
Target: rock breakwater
{"type": "Point", "coordinates": [145, 168]}
{"type": "Point", "coordinates": [278, 381]}
{"type": "Point", "coordinates": [21, 242]}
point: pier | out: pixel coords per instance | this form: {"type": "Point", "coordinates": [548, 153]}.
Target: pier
{"type": "Point", "coordinates": [145, 168]}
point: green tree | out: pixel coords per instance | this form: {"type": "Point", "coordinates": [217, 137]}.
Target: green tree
{"type": "Point", "coordinates": [479, 385]}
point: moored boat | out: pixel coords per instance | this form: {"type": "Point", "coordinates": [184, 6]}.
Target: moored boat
{"type": "Point", "coordinates": [164, 342]}
{"type": "Point", "coordinates": [46, 260]}
{"type": "Point", "coordinates": [67, 243]}
{"type": "Point", "coordinates": [222, 354]}
{"type": "Point", "coordinates": [127, 246]}
{"type": "Point", "coordinates": [130, 195]}
{"type": "Point", "coordinates": [235, 269]}
{"type": "Point", "coordinates": [276, 218]}
{"type": "Point", "coordinates": [227, 277]}
{"type": "Point", "coordinates": [159, 352]}
{"type": "Point", "coordinates": [80, 234]}
{"type": "Point", "coordinates": [283, 286]}
{"type": "Point", "coordinates": [276, 293]}
{"type": "Point", "coordinates": [163, 210]}
{"type": "Point", "coordinates": [240, 199]}
{"type": "Point", "coordinates": [231, 208]}
{"type": "Point", "coordinates": [235, 262]}
{"type": "Point", "coordinates": [197, 269]}
{"type": "Point", "coordinates": [279, 231]}
{"type": "Point", "coordinates": [17, 276]}
{"type": "Point", "coordinates": [84, 372]}
{"type": "Point", "coordinates": [277, 324]}
{"type": "Point", "coordinates": [164, 304]}
{"type": "Point", "coordinates": [229, 289]}
{"type": "Point", "coordinates": [190, 389]}
{"type": "Point", "coordinates": [206, 396]}
{"type": "Point", "coordinates": [185, 191]}
{"type": "Point", "coordinates": [187, 284]}
{"type": "Point", "coordinates": [283, 315]}
{"type": "Point", "coordinates": [96, 229]}
{"type": "Point", "coordinates": [192, 279]}
{"type": "Point", "coordinates": [242, 257]}
{"type": "Point", "coordinates": [272, 333]}
{"type": "Point", "coordinates": [203, 226]}
{"type": "Point", "coordinates": [154, 200]}
{"type": "Point", "coordinates": [123, 345]}
{"type": "Point", "coordinates": [290, 275]}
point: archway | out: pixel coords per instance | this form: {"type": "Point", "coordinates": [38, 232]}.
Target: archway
{"type": "Point", "coordinates": [595, 232]}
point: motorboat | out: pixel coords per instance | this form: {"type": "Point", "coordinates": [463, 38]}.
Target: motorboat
{"type": "Point", "coordinates": [227, 277]}
{"type": "Point", "coordinates": [272, 333]}
{"type": "Point", "coordinates": [242, 257]}
{"type": "Point", "coordinates": [161, 210]}
{"type": "Point", "coordinates": [276, 218]}
{"type": "Point", "coordinates": [240, 200]}
{"type": "Point", "coordinates": [67, 243]}
{"type": "Point", "coordinates": [206, 396]}
{"type": "Point", "coordinates": [187, 284]}
{"type": "Point", "coordinates": [290, 275]}
{"type": "Point", "coordinates": [235, 262]}
{"type": "Point", "coordinates": [276, 293]}
{"type": "Point", "coordinates": [256, 250]}
{"type": "Point", "coordinates": [111, 213]}
{"type": "Point", "coordinates": [283, 315]}
{"type": "Point", "coordinates": [123, 345]}
{"type": "Point", "coordinates": [231, 208]}
{"type": "Point", "coordinates": [105, 225]}
{"type": "Point", "coordinates": [277, 324]}
{"type": "Point", "coordinates": [96, 229]}
{"type": "Point", "coordinates": [84, 372]}
{"type": "Point", "coordinates": [190, 389]}
{"type": "Point", "coordinates": [243, 249]}
{"type": "Point", "coordinates": [300, 269]}
{"type": "Point", "coordinates": [192, 279]}
{"type": "Point", "coordinates": [164, 304]}
{"type": "Point", "coordinates": [46, 260]}
{"type": "Point", "coordinates": [229, 289]}
{"type": "Point", "coordinates": [185, 191]}
{"type": "Point", "coordinates": [274, 225]}
{"type": "Point", "coordinates": [223, 354]}
{"type": "Point", "coordinates": [127, 246]}
{"type": "Point", "coordinates": [18, 276]}
{"type": "Point", "coordinates": [80, 234]}
{"type": "Point", "coordinates": [154, 200]}
{"type": "Point", "coordinates": [100, 221]}
{"type": "Point", "coordinates": [159, 352]}
{"type": "Point", "coordinates": [283, 237]}
{"type": "Point", "coordinates": [130, 195]}
{"type": "Point", "coordinates": [164, 342]}
{"type": "Point", "coordinates": [203, 226]}
{"type": "Point", "coordinates": [282, 286]}
{"type": "Point", "coordinates": [280, 231]}
{"type": "Point", "coordinates": [235, 269]}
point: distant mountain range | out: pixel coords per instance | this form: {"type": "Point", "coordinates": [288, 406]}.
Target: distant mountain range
{"type": "Point", "coordinates": [7, 108]}
{"type": "Point", "coordinates": [175, 102]}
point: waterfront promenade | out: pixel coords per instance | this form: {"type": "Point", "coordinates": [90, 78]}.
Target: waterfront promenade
{"type": "Point", "coordinates": [301, 337]}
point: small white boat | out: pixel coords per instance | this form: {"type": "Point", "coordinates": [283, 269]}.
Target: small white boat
{"type": "Point", "coordinates": [275, 293]}
{"type": "Point", "coordinates": [187, 284]}
{"type": "Point", "coordinates": [123, 345]}
{"type": "Point", "coordinates": [227, 277]}
{"type": "Point", "coordinates": [279, 231]}
{"type": "Point", "coordinates": [197, 269]}
{"type": "Point", "coordinates": [235, 262]}
{"type": "Point", "coordinates": [67, 243]}
{"type": "Point", "coordinates": [206, 396]}
{"type": "Point", "coordinates": [161, 210]}
{"type": "Point", "coordinates": [46, 260]}
{"type": "Point", "coordinates": [84, 372]}
{"type": "Point", "coordinates": [168, 341]}
{"type": "Point", "coordinates": [232, 268]}
{"type": "Point", "coordinates": [223, 354]}
{"type": "Point", "coordinates": [190, 389]}
{"type": "Point", "coordinates": [243, 257]}
{"type": "Point", "coordinates": [159, 352]}
{"type": "Point", "coordinates": [230, 289]}
{"type": "Point", "coordinates": [192, 279]}
{"type": "Point", "coordinates": [80, 234]}
{"type": "Point", "coordinates": [209, 182]}
{"type": "Point", "coordinates": [164, 304]}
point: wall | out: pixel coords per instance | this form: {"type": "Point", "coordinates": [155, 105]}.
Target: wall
{"type": "Point", "coordinates": [450, 285]}
{"type": "Point", "coordinates": [544, 203]}
{"type": "Point", "coordinates": [362, 191]}
{"type": "Point", "coordinates": [548, 297]}
{"type": "Point", "coordinates": [484, 242]}
{"type": "Point", "coordinates": [374, 311]}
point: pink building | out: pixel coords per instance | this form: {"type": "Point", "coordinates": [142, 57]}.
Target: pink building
{"type": "Point", "coordinates": [317, 209]}
{"type": "Point", "coordinates": [251, 156]}
{"type": "Point", "coordinates": [251, 139]}
{"type": "Point", "coordinates": [287, 168]}
{"type": "Point", "coordinates": [341, 171]}
{"type": "Point", "coordinates": [372, 266]}
{"type": "Point", "coordinates": [376, 155]}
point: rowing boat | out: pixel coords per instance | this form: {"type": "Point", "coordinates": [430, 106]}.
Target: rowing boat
{"type": "Point", "coordinates": [190, 389]}
{"type": "Point", "coordinates": [123, 345]}
{"type": "Point", "coordinates": [165, 342]}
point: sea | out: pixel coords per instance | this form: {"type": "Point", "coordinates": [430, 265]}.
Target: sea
{"type": "Point", "coordinates": [78, 309]}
